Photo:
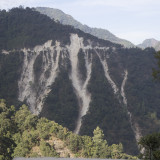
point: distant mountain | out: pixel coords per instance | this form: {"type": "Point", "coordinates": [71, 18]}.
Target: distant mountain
{"type": "Point", "coordinates": [66, 19]}
{"type": "Point", "coordinates": [150, 43]}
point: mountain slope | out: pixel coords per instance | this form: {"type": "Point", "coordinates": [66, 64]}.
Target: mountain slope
{"type": "Point", "coordinates": [69, 20]}
{"type": "Point", "coordinates": [76, 79]}
{"type": "Point", "coordinates": [150, 43]}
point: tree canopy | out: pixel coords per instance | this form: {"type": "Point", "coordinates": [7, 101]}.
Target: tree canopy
{"type": "Point", "coordinates": [23, 134]}
{"type": "Point", "coordinates": [156, 71]}
{"type": "Point", "coordinates": [150, 144]}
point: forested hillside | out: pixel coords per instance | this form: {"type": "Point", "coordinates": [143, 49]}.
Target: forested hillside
{"type": "Point", "coordinates": [76, 79]}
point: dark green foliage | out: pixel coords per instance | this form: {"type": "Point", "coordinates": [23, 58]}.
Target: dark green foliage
{"type": "Point", "coordinates": [61, 103]}
{"type": "Point", "coordinates": [24, 119]}
{"type": "Point", "coordinates": [156, 71]}
{"type": "Point", "coordinates": [47, 150]}
{"type": "Point", "coordinates": [87, 146]}
{"type": "Point", "coordinates": [101, 148]}
{"type": "Point", "coordinates": [156, 154]}
{"type": "Point", "coordinates": [20, 131]}
{"type": "Point", "coordinates": [22, 150]}
{"type": "Point", "coordinates": [10, 69]}
{"type": "Point", "coordinates": [6, 148]}
{"type": "Point", "coordinates": [44, 126]}
{"type": "Point", "coordinates": [19, 136]}
{"type": "Point", "coordinates": [7, 128]}
{"type": "Point", "coordinates": [74, 143]}
{"type": "Point", "coordinates": [151, 144]}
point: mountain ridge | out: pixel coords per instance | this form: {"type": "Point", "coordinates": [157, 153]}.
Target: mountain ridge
{"type": "Point", "coordinates": [69, 20]}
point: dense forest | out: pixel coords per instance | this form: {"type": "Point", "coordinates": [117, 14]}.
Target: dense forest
{"type": "Point", "coordinates": [23, 134]}
{"type": "Point", "coordinates": [150, 144]}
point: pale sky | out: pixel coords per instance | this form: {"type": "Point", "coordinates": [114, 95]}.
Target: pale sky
{"type": "Point", "coordinates": [134, 20]}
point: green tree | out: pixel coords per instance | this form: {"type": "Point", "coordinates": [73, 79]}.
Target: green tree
{"type": "Point", "coordinates": [116, 151]}
{"type": "Point", "coordinates": [87, 146]}
{"type": "Point", "coordinates": [21, 150]}
{"type": "Point", "coordinates": [25, 119]}
{"type": "Point", "coordinates": [47, 150]}
{"type": "Point", "coordinates": [98, 136]}
{"type": "Point", "coordinates": [7, 128]}
{"type": "Point", "coordinates": [21, 132]}
{"type": "Point", "coordinates": [151, 145]}
{"type": "Point", "coordinates": [156, 154]}
{"type": "Point", "coordinates": [74, 142]}
{"type": "Point", "coordinates": [44, 128]}
{"type": "Point", "coordinates": [100, 149]}
{"type": "Point", "coordinates": [6, 148]}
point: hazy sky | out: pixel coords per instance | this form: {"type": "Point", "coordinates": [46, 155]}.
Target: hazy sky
{"type": "Point", "coordinates": [134, 20]}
